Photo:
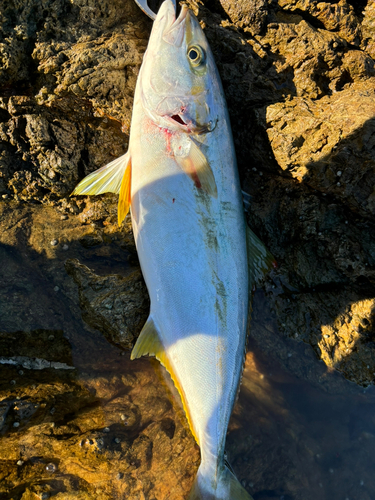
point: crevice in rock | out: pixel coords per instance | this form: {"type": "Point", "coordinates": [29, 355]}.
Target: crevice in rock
{"type": "Point", "coordinates": [4, 115]}
{"type": "Point", "coordinates": [312, 20]}
{"type": "Point", "coordinates": [359, 7]}
{"type": "Point", "coordinates": [215, 6]}
{"type": "Point", "coordinates": [344, 79]}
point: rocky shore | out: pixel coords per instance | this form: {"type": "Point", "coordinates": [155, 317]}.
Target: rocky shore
{"type": "Point", "coordinates": [299, 77]}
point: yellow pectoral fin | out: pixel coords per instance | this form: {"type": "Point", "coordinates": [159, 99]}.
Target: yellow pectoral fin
{"type": "Point", "coordinates": [149, 344]}
{"type": "Point", "coordinates": [125, 194]}
{"type": "Point", "coordinates": [105, 180]}
{"type": "Point", "coordinates": [196, 166]}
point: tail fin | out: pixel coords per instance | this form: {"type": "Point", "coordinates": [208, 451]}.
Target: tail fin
{"type": "Point", "coordinates": [227, 487]}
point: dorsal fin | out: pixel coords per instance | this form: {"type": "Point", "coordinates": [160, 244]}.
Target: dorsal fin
{"type": "Point", "coordinates": [259, 259]}
{"type": "Point", "coordinates": [150, 344]}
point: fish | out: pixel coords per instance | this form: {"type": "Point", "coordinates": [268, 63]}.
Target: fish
{"type": "Point", "coordinates": [199, 259]}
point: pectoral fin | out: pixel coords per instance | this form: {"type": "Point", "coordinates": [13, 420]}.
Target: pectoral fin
{"type": "Point", "coordinates": [260, 260]}
{"type": "Point", "coordinates": [125, 194]}
{"type": "Point", "coordinates": [105, 180]}
{"type": "Point", "coordinates": [196, 166]}
{"type": "Point", "coordinates": [150, 344]}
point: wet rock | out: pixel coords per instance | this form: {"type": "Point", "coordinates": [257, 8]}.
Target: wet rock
{"type": "Point", "coordinates": [30, 346]}
{"type": "Point", "coordinates": [91, 239]}
{"type": "Point", "coordinates": [325, 267]}
{"type": "Point", "coordinates": [59, 414]}
{"type": "Point", "coordinates": [115, 305]}
{"type": "Point", "coordinates": [5, 406]}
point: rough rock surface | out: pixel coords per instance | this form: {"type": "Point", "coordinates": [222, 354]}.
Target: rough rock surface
{"type": "Point", "coordinates": [299, 76]}
{"type": "Point", "coordinates": [115, 305]}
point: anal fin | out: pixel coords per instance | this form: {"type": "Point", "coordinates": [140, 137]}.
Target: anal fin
{"type": "Point", "coordinates": [150, 344]}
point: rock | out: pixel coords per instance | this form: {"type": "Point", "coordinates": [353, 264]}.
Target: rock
{"type": "Point", "coordinates": [368, 29]}
{"type": "Point", "coordinates": [339, 17]}
{"type": "Point", "coordinates": [314, 140]}
{"type": "Point", "coordinates": [62, 383]}
{"type": "Point", "coordinates": [249, 15]}
{"type": "Point", "coordinates": [5, 406]}
{"type": "Point", "coordinates": [31, 347]}
{"type": "Point", "coordinates": [299, 78]}
{"type": "Point", "coordinates": [115, 305]}
{"type": "Point", "coordinates": [51, 140]}
{"type": "Point", "coordinates": [91, 239]}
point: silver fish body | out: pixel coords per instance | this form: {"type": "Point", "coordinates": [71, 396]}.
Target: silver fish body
{"type": "Point", "coordinates": [180, 178]}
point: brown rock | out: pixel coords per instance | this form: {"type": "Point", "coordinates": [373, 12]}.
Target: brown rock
{"type": "Point", "coordinates": [116, 306]}
{"type": "Point", "coordinates": [368, 29]}
{"type": "Point", "coordinates": [319, 143]}
{"type": "Point", "coordinates": [250, 15]}
{"type": "Point", "coordinates": [338, 17]}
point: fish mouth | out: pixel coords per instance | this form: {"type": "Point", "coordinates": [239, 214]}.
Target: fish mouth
{"type": "Point", "coordinates": [175, 30]}
{"type": "Point", "coordinates": [189, 126]}
{"type": "Point", "coordinates": [181, 17]}
{"type": "Point", "coordinates": [178, 119]}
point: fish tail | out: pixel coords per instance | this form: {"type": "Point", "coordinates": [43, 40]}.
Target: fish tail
{"type": "Point", "coordinates": [227, 487]}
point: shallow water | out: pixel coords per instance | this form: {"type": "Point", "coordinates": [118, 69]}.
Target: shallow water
{"type": "Point", "coordinates": [301, 442]}
{"type": "Point", "coordinates": [93, 424]}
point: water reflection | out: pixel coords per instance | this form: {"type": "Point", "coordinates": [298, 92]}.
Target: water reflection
{"type": "Point", "coordinates": [290, 440]}
{"type": "Point", "coordinates": [114, 431]}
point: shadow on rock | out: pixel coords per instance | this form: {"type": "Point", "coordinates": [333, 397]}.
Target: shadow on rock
{"type": "Point", "coordinates": [320, 228]}
{"type": "Point", "coordinates": [116, 306]}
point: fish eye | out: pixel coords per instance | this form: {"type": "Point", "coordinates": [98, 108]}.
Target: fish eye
{"type": "Point", "coordinates": [196, 55]}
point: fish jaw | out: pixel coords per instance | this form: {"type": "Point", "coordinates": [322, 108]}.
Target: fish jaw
{"type": "Point", "coordinates": [179, 96]}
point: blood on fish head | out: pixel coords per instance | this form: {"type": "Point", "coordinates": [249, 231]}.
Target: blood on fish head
{"type": "Point", "coordinates": [179, 79]}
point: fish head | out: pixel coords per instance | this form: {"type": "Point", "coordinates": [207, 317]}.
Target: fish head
{"type": "Point", "coordinates": [179, 79]}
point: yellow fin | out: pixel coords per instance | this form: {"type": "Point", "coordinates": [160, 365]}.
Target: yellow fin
{"type": "Point", "coordinates": [105, 180]}
{"type": "Point", "coordinates": [149, 343]}
{"type": "Point", "coordinates": [125, 194]}
{"type": "Point", "coordinates": [204, 487]}
{"type": "Point", "coordinates": [260, 260]}
{"type": "Point", "coordinates": [196, 166]}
